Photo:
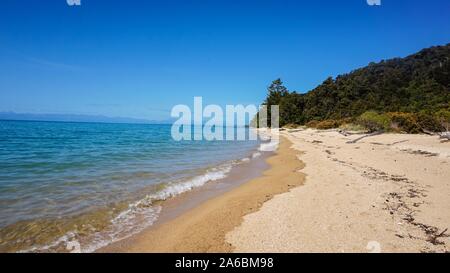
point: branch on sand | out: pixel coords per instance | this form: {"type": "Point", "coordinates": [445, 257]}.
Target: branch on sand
{"type": "Point", "coordinates": [368, 135]}
{"type": "Point", "coordinates": [344, 133]}
{"type": "Point", "coordinates": [428, 132]}
{"type": "Point", "coordinates": [347, 133]}
{"type": "Point", "coordinates": [445, 135]}
{"type": "Point", "coordinates": [434, 237]}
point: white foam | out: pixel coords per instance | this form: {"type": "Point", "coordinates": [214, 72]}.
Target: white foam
{"type": "Point", "coordinates": [63, 240]}
{"type": "Point", "coordinates": [174, 189]}
{"type": "Point", "coordinates": [135, 218]}
{"type": "Point", "coordinates": [127, 223]}
{"type": "Point", "coordinates": [142, 213]}
{"type": "Point", "coordinates": [264, 136]}
{"type": "Point", "coordinates": [269, 147]}
{"type": "Point", "coordinates": [256, 154]}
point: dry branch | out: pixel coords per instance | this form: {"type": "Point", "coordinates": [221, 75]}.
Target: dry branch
{"type": "Point", "coordinates": [368, 135]}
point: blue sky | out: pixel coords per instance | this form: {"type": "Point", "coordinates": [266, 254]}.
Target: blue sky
{"type": "Point", "coordinates": [139, 58]}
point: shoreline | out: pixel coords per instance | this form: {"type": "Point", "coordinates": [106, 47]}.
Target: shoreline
{"type": "Point", "coordinates": [386, 193]}
{"type": "Point", "coordinates": [239, 174]}
{"type": "Point", "coordinates": [202, 228]}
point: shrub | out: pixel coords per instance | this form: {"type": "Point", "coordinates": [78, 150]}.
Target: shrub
{"type": "Point", "coordinates": [291, 126]}
{"type": "Point", "coordinates": [406, 122]}
{"type": "Point", "coordinates": [312, 123]}
{"type": "Point", "coordinates": [428, 122]}
{"type": "Point", "coordinates": [443, 117]}
{"type": "Point", "coordinates": [348, 120]}
{"type": "Point", "coordinates": [373, 121]}
{"type": "Point", "coordinates": [352, 127]}
{"type": "Point", "coordinates": [327, 124]}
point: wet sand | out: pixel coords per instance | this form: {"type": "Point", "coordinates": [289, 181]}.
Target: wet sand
{"type": "Point", "coordinates": [203, 227]}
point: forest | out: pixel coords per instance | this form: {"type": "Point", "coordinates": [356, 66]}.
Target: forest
{"type": "Point", "coordinates": [410, 94]}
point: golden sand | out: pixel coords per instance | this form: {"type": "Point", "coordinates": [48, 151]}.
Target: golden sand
{"type": "Point", "coordinates": [203, 228]}
{"type": "Point", "coordinates": [386, 193]}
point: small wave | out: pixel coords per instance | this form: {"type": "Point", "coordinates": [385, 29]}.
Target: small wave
{"type": "Point", "coordinates": [63, 240]}
{"type": "Point", "coordinates": [174, 189]}
{"type": "Point", "coordinates": [127, 221]}
{"type": "Point", "coordinates": [139, 215]}
{"type": "Point", "coordinates": [256, 154]}
{"type": "Point", "coordinates": [269, 147]}
{"type": "Point", "coordinates": [142, 213]}
{"type": "Point", "coordinates": [264, 136]}
{"type": "Point", "coordinates": [126, 224]}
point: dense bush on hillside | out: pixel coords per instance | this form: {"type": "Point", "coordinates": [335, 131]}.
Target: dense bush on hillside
{"type": "Point", "coordinates": [413, 89]}
{"type": "Point", "coordinates": [374, 121]}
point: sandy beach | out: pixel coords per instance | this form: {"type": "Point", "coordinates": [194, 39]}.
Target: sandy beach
{"type": "Point", "coordinates": [204, 228]}
{"type": "Point", "coordinates": [385, 193]}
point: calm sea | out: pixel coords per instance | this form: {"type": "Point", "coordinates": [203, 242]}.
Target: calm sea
{"type": "Point", "coordinates": [90, 184]}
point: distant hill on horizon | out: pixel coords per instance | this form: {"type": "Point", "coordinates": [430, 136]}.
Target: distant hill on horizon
{"type": "Point", "coordinates": [76, 118]}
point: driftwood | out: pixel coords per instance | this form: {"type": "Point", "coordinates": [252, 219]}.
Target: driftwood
{"type": "Point", "coordinates": [445, 135]}
{"type": "Point", "coordinates": [434, 237]}
{"type": "Point", "coordinates": [428, 132]}
{"type": "Point", "coordinates": [347, 133]}
{"type": "Point", "coordinates": [397, 142]}
{"type": "Point", "coordinates": [344, 133]}
{"type": "Point", "coordinates": [295, 130]}
{"type": "Point", "coordinates": [368, 135]}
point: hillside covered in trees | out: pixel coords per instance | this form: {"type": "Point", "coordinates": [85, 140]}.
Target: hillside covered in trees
{"type": "Point", "coordinates": [414, 89]}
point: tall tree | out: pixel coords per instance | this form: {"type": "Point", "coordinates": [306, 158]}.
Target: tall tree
{"type": "Point", "coordinates": [275, 93]}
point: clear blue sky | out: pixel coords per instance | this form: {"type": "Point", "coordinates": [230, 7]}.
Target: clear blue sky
{"type": "Point", "coordinates": [139, 58]}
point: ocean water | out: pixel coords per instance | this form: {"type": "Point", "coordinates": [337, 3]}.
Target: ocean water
{"type": "Point", "coordinates": [80, 186]}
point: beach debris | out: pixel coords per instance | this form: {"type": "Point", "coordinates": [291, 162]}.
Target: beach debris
{"type": "Point", "coordinates": [398, 206]}
{"type": "Point", "coordinates": [398, 178]}
{"type": "Point", "coordinates": [343, 132]}
{"type": "Point", "coordinates": [295, 130]}
{"type": "Point", "coordinates": [420, 152]}
{"type": "Point", "coordinates": [368, 135]}
{"type": "Point", "coordinates": [445, 136]}
{"type": "Point", "coordinates": [349, 133]}
{"type": "Point", "coordinates": [433, 238]}
{"type": "Point", "coordinates": [425, 131]}
{"type": "Point", "coordinates": [398, 142]}
{"type": "Point", "coordinates": [413, 193]}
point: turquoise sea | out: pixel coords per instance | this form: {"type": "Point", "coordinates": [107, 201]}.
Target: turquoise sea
{"type": "Point", "coordinates": [96, 183]}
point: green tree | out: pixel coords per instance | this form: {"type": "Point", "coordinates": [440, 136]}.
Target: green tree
{"type": "Point", "coordinates": [275, 93]}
